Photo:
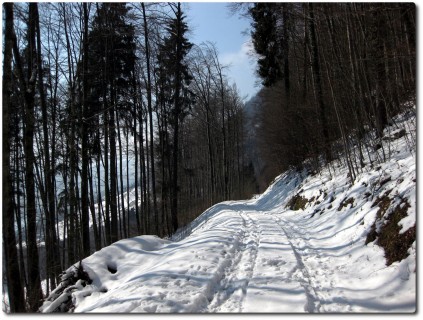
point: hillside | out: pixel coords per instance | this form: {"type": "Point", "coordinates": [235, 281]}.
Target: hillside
{"type": "Point", "coordinates": [313, 242]}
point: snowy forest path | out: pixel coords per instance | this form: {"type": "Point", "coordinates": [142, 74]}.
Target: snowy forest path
{"type": "Point", "coordinates": [313, 301]}
{"type": "Point", "coordinates": [280, 279]}
{"type": "Point", "coordinates": [316, 266]}
{"type": "Point", "coordinates": [266, 266]}
{"type": "Point", "coordinates": [232, 289]}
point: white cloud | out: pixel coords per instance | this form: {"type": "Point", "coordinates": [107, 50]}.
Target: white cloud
{"type": "Point", "coordinates": [241, 56]}
{"type": "Point", "coordinates": [241, 68]}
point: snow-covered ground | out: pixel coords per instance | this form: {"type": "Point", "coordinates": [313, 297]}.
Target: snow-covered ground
{"type": "Point", "coordinates": [261, 256]}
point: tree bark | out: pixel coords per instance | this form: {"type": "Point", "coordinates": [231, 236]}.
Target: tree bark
{"type": "Point", "coordinates": [34, 292]}
{"type": "Point", "coordinates": [13, 276]}
{"type": "Point", "coordinates": [84, 147]}
{"type": "Point", "coordinates": [318, 84]}
{"type": "Point", "coordinates": [53, 269]}
{"type": "Point", "coordinates": [150, 115]}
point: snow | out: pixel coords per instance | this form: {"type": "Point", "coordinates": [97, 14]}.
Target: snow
{"type": "Point", "coordinates": [260, 256]}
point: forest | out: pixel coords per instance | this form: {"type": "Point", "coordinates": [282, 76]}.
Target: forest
{"type": "Point", "coordinates": [115, 124]}
{"type": "Point", "coordinates": [331, 73]}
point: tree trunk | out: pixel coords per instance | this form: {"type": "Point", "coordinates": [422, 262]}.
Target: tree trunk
{"type": "Point", "coordinates": [122, 221]}
{"type": "Point", "coordinates": [106, 177]}
{"type": "Point", "coordinates": [381, 74]}
{"type": "Point", "coordinates": [84, 148]}
{"type": "Point", "coordinates": [177, 111]}
{"type": "Point", "coordinates": [150, 115]}
{"type": "Point", "coordinates": [318, 84]}
{"type": "Point", "coordinates": [34, 292]}
{"type": "Point", "coordinates": [72, 151]}
{"type": "Point", "coordinates": [14, 287]}
{"type": "Point", "coordinates": [113, 175]}
{"type": "Point", "coordinates": [101, 236]}
{"type": "Point", "coordinates": [137, 207]}
{"type": "Point", "coordinates": [96, 227]}
{"type": "Point", "coordinates": [52, 268]}
{"type": "Point", "coordinates": [285, 46]}
{"type": "Point", "coordinates": [143, 174]}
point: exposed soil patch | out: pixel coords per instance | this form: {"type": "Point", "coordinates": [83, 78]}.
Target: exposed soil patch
{"type": "Point", "coordinates": [344, 203]}
{"type": "Point", "coordinates": [394, 244]}
{"type": "Point", "coordinates": [297, 202]}
{"type": "Point", "coordinates": [384, 202]}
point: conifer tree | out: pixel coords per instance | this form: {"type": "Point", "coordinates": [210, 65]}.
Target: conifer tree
{"type": "Point", "coordinates": [264, 36]}
{"type": "Point", "coordinates": [173, 51]}
{"type": "Point", "coordinates": [110, 65]}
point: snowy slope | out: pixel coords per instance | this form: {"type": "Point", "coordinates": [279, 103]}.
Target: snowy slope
{"type": "Point", "coordinates": [261, 256]}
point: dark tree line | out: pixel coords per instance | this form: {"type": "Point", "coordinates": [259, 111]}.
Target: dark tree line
{"type": "Point", "coordinates": [114, 125]}
{"type": "Point", "coordinates": [332, 73]}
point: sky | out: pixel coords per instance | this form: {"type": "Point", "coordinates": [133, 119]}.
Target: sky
{"type": "Point", "coordinates": [212, 21]}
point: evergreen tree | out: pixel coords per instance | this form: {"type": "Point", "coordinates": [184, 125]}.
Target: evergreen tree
{"type": "Point", "coordinates": [172, 56]}
{"type": "Point", "coordinates": [265, 40]}
{"type": "Point", "coordinates": [110, 67]}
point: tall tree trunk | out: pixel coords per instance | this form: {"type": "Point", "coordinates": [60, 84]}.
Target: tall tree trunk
{"type": "Point", "coordinates": [137, 207]}
{"type": "Point", "coordinates": [143, 178]}
{"type": "Point", "coordinates": [318, 84]}
{"type": "Point", "coordinates": [150, 115]}
{"type": "Point", "coordinates": [53, 269]}
{"type": "Point", "coordinates": [122, 221]}
{"type": "Point", "coordinates": [113, 174]}
{"type": "Point", "coordinates": [96, 227]}
{"type": "Point", "coordinates": [72, 151]}
{"type": "Point", "coordinates": [84, 147]}
{"type": "Point", "coordinates": [19, 214]}
{"type": "Point", "coordinates": [285, 46]}
{"type": "Point", "coordinates": [211, 158]}
{"type": "Point", "coordinates": [14, 287]}
{"type": "Point", "coordinates": [146, 173]}
{"type": "Point", "coordinates": [221, 86]}
{"type": "Point", "coordinates": [65, 203]}
{"type": "Point", "coordinates": [127, 183]}
{"type": "Point", "coordinates": [101, 220]}
{"type": "Point", "coordinates": [106, 176]}
{"type": "Point", "coordinates": [381, 74]}
{"type": "Point", "coordinates": [177, 111]}
{"type": "Point", "coordinates": [34, 292]}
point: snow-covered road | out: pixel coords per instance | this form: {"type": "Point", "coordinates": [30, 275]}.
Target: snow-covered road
{"type": "Point", "coordinates": [261, 256]}
{"type": "Point", "coordinates": [267, 273]}
{"type": "Point", "coordinates": [241, 259]}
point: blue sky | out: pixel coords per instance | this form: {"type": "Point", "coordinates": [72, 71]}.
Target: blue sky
{"type": "Point", "coordinates": [212, 21]}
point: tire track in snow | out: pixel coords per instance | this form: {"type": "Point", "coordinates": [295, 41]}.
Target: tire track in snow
{"type": "Point", "coordinates": [313, 302]}
{"type": "Point", "coordinates": [321, 273]}
{"type": "Point", "coordinates": [232, 288]}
